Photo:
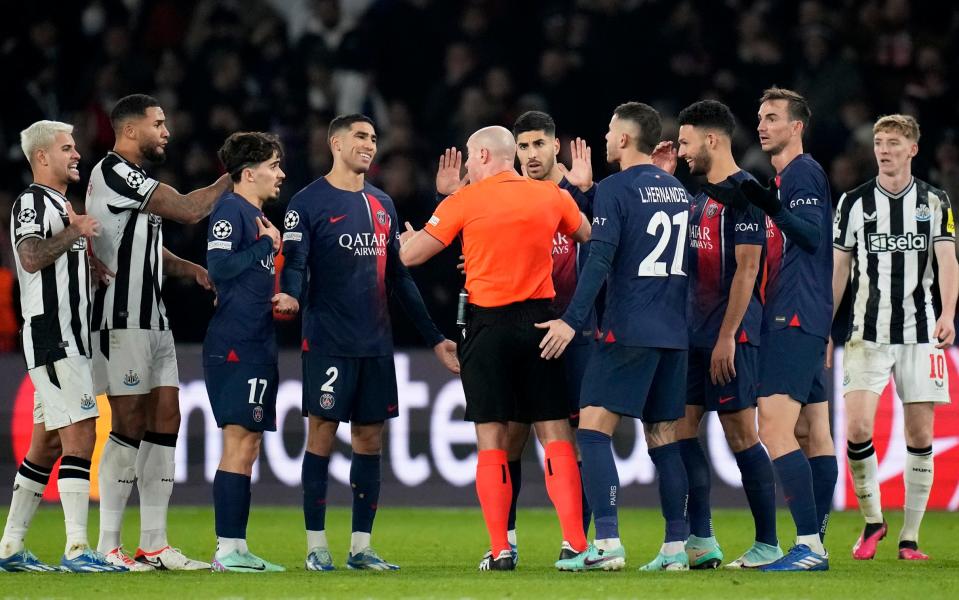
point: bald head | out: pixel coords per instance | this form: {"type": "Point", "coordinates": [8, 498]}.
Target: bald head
{"type": "Point", "coordinates": [489, 151]}
{"type": "Point", "coordinates": [497, 140]}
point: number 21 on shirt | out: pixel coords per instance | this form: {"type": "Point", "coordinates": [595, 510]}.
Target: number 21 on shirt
{"type": "Point", "coordinates": [661, 227]}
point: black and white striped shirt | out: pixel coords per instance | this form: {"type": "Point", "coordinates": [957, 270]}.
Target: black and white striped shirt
{"type": "Point", "coordinates": [892, 236]}
{"type": "Point", "coordinates": [131, 245]}
{"type": "Point", "coordinates": [55, 301]}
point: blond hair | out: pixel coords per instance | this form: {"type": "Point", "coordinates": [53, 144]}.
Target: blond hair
{"type": "Point", "coordinates": [905, 125]}
{"type": "Point", "coordinates": [41, 135]}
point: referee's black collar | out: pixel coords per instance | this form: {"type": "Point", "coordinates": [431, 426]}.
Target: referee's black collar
{"type": "Point", "coordinates": [905, 190]}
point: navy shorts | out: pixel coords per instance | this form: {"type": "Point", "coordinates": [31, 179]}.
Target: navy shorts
{"type": "Point", "coordinates": [243, 394]}
{"type": "Point", "coordinates": [792, 362]}
{"type": "Point", "coordinates": [644, 383]}
{"type": "Point", "coordinates": [736, 395]}
{"type": "Point", "coordinates": [575, 359]}
{"type": "Point", "coordinates": [349, 389]}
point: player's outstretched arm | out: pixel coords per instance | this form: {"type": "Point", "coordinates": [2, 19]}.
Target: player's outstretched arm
{"type": "Point", "coordinates": [174, 266]}
{"type": "Point", "coordinates": [187, 208]}
{"type": "Point", "coordinates": [731, 196]}
{"type": "Point", "coordinates": [561, 331]}
{"type": "Point", "coordinates": [949, 291]}
{"type": "Point", "coordinates": [801, 226]}
{"type": "Point", "coordinates": [36, 253]}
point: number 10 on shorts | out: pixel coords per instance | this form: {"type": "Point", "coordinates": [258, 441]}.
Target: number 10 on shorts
{"type": "Point", "coordinates": [937, 366]}
{"type": "Point", "coordinates": [254, 383]}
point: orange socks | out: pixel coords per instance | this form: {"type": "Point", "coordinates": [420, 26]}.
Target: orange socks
{"type": "Point", "coordinates": [495, 492]}
{"type": "Point", "coordinates": [565, 490]}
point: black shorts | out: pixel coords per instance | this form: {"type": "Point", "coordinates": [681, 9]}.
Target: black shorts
{"type": "Point", "coordinates": [242, 394]}
{"type": "Point", "coordinates": [504, 377]}
{"type": "Point", "coordinates": [349, 389]}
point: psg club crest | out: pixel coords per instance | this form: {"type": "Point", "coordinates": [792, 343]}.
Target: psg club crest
{"type": "Point", "coordinates": [258, 413]}
{"type": "Point", "coordinates": [327, 401]}
{"type": "Point", "coordinates": [291, 220]}
{"type": "Point", "coordinates": [222, 229]}
{"type": "Point", "coordinates": [381, 217]}
{"type": "Point", "coordinates": [711, 209]}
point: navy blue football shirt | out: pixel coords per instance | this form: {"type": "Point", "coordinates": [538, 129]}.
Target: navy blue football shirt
{"type": "Point", "coordinates": [643, 213]}
{"type": "Point", "coordinates": [714, 232]}
{"type": "Point", "coordinates": [241, 267]}
{"type": "Point", "coordinates": [348, 244]}
{"type": "Point", "coordinates": [798, 287]}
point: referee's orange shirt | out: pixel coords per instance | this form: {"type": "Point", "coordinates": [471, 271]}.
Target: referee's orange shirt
{"type": "Point", "coordinates": [508, 224]}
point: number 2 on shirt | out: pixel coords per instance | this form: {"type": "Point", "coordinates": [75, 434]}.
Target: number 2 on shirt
{"type": "Point", "coordinates": [650, 267]}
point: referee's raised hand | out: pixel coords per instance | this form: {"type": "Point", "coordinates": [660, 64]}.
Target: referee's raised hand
{"type": "Point", "coordinates": [556, 339]}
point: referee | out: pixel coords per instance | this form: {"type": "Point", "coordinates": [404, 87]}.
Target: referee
{"type": "Point", "coordinates": [508, 223]}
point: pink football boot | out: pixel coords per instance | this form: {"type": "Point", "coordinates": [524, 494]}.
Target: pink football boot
{"type": "Point", "coordinates": [865, 548]}
{"type": "Point", "coordinates": [912, 554]}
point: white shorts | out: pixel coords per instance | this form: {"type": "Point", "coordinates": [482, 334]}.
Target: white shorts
{"type": "Point", "coordinates": [69, 399]}
{"type": "Point", "coordinates": [919, 370]}
{"type": "Point", "coordinates": [135, 362]}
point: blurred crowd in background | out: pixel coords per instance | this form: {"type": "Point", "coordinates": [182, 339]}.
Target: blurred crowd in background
{"type": "Point", "coordinates": [430, 72]}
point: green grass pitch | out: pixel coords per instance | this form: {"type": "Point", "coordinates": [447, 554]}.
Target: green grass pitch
{"type": "Point", "coordinates": [439, 549]}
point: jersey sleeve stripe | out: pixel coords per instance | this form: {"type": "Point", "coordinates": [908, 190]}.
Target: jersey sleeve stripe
{"type": "Point", "coordinates": [133, 187]}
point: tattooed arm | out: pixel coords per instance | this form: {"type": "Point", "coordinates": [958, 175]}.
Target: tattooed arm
{"type": "Point", "coordinates": [37, 253]}
{"type": "Point", "coordinates": [174, 266]}
{"type": "Point", "coordinates": [187, 208]}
